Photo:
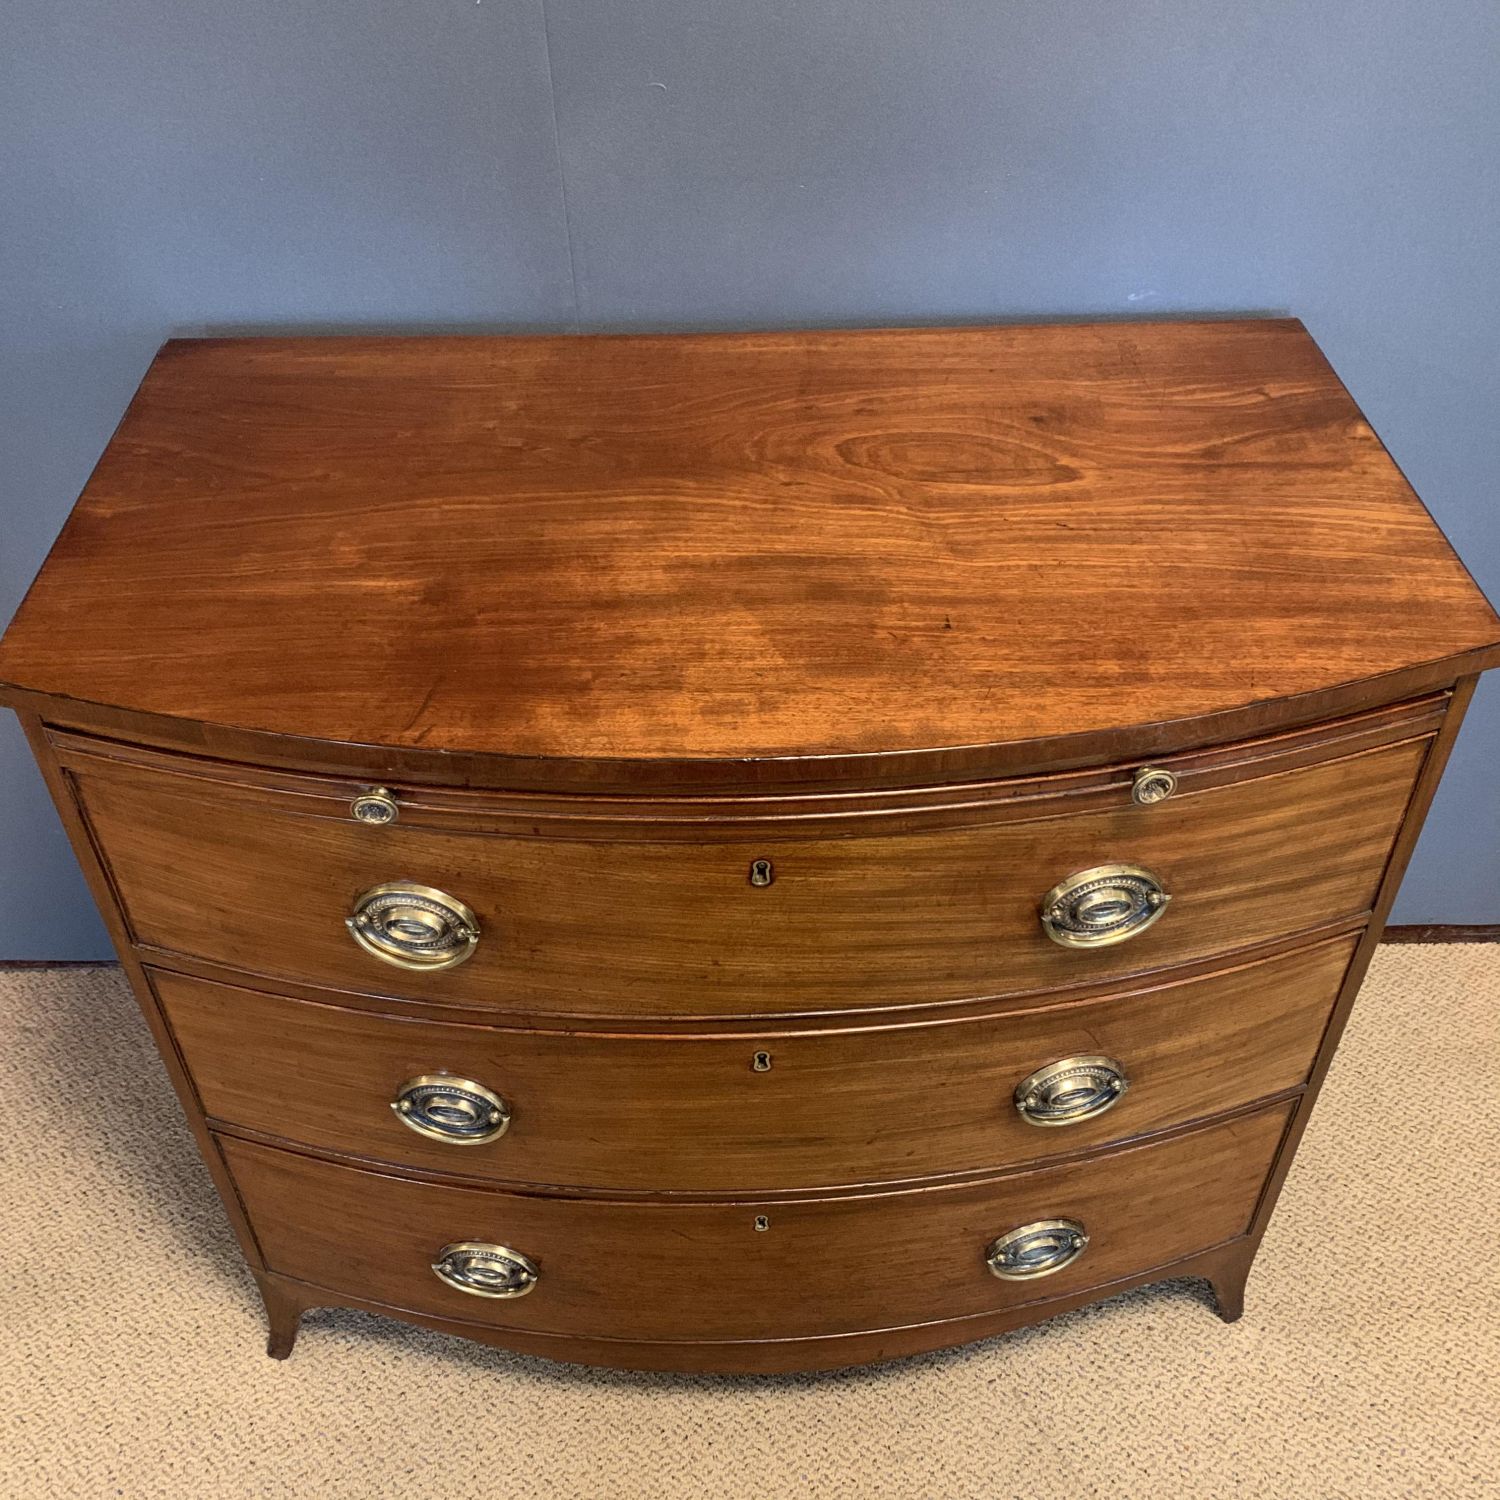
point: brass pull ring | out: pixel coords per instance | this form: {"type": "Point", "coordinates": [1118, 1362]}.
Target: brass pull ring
{"type": "Point", "coordinates": [1103, 905]}
{"type": "Point", "coordinates": [413, 926]}
{"type": "Point", "coordinates": [484, 1270]}
{"type": "Point", "coordinates": [457, 1111]}
{"type": "Point", "coordinates": [1038, 1249]}
{"type": "Point", "coordinates": [1071, 1091]}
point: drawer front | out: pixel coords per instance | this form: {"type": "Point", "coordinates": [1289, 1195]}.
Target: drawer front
{"type": "Point", "coordinates": [753, 1111]}
{"type": "Point", "coordinates": [704, 1271]}
{"type": "Point", "coordinates": [633, 927]}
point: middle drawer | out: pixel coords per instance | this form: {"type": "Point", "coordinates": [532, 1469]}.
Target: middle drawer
{"type": "Point", "coordinates": [751, 1111]}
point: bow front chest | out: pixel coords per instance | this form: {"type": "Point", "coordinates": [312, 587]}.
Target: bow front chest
{"type": "Point", "coordinates": [754, 852]}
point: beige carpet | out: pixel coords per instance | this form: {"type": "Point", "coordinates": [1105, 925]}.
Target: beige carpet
{"type": "Point", "coordinates": [1367, 1364]}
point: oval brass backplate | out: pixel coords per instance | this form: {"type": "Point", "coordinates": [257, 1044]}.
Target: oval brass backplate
{"type": "Point", "coordinates": [1036, 1250]}
{"type": "Point", "coordinates": [413, 926]}
{"type": "Point", "coordinates": [485, 1270]}
{"type": "Point", "coordinates": [456, 1111]}
{"type": "Point", "coordinates": [1101, 906]}
{"type": "Point", "coordinates": [1071, 1090]}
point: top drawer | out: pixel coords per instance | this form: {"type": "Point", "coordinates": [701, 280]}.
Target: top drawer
{"type": "Point", "coordinates": [603, 908]}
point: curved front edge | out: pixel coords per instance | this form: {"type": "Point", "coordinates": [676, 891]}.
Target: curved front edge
{"type": "Point", "coordinates": [705, 1284]}
{"type": "Point", "coordinates": [1219, 1267]}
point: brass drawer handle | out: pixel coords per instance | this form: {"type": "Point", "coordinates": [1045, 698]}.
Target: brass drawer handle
{"type": "Point", "coordinates": [484, 1270]}
{"type": "Point", "coordinates": [1152, 784]}
{"type": "Point", "coordinates": [457, 1111]}
{"type": "Point", "coordinates": [1037, 1249]}
{"type": "Point", "coordinates": [1071, 1090]}
{"type": "Point", "coordinates": [376, 807]}
{"type": "Point", "coordinates": [413, 926]}
{"type": "Point", "coordinates": [1103, 905]}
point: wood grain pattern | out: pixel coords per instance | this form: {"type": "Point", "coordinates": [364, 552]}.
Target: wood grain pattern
{"type": "Point", "coordinates": [709, 551]}
{"type": "Point", "coordinates": [182, 1085]}
{"type": "Point", "coordinates": [1442, 932]}
{"type": "Point", "coordinates": [702, 818]}
{"type": "Point", "coordinates": [715, 1025]}
{"type": "Point", "coordinates": [625, 928]}
{"type": "Point", "coordinates": [1224, 1268]}
{"type": "Point", "coordinates": [931, 772]}
{"type": "Point", "coordinates": [900, 611]}
{"type": "Point", "coordinates": [834, 1109]}
{"type": "Point", "coordinates": [1390, 883]}
{"type": "Point", "coordinates": [824, 1267]}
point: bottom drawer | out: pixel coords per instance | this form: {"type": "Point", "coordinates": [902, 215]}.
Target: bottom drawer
{"type": "Point", "coordinates": [689, 1271]}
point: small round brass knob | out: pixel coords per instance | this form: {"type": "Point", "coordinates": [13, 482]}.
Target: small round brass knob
{"type": "Point", "coordinates": [484, 1270]}
{"type": "Point", "coordinates": [377, 807]}
{"type": "Point", "coordinates": [1037, 1249]}
{"type": "Point", "coordinates": [1103, 905]}
{"type": "Point", "coordinates": [1152, 784]}
{"type": "Point", "coordinates": [457, 1111]}
{"type": "Point", "coordinates": [413, 926]}
{"type": "Point", "coordinates": [1071, 1091]}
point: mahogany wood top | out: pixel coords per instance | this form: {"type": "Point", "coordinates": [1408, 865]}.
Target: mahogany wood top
{"type": "Point", "coordinates": [721, 548]}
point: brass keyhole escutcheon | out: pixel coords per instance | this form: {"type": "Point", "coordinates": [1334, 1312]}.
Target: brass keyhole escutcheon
{"type": "Point", "coordinates": [761, 1062]}
{"type": "Point", "coordinates": [762, 1223]}
{"type": "Point", "coordinates": [762, 872]}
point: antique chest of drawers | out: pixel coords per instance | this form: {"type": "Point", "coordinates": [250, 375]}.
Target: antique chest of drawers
{"type": "Point", "coordinates": [746, 853]}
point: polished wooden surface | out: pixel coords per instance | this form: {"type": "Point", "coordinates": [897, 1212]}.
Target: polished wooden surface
{"type": "Point", "coordinates": [901, 612]}
{"type": "Point", "coordinates": [711, 816]}
{"type": "Point", "coordinates": [577, 927]}
{"type": "Point", "coordinates": [830, 1108]}
{"type": "Point", "coordinates": [100, 888]}
{"type": "Point", "coordinates": [824, 1267]}
{"type": "Point", "coordinates": [1442, 932]}
{"type": "Point", "coordinates": [1390, 884]}
{"type": "Point", "coordinates": [715, 550]}
{"type": "Point", "coordinates": [1224, 1269]}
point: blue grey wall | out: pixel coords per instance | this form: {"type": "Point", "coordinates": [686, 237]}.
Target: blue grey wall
{"type": "Point", "coordinates": [172, 167]}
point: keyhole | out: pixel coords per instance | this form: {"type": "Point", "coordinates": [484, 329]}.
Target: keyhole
{"type": "Point", "coordinates": [761, 1062]}
{"type": "Point", "coordinates": [762, 1223]}
{"type": "Point", "coordinates": [761, 872]}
